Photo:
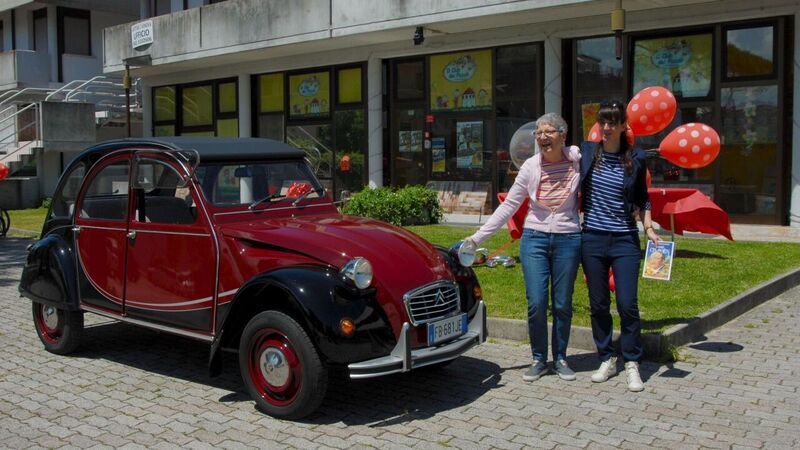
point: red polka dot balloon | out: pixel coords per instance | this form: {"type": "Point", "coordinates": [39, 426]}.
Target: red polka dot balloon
{"type": "Point", "coordinates": [691, 146]}
{"type": "Point", "coordinates": [651, 110]}
{"type": "Point", "coordinates": [595, 135]}
{"type": "Point", "coordinates": [3, 171]}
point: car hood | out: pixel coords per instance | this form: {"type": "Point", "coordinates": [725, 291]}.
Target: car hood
{"type": "Point", "coordinates": [400, 259]}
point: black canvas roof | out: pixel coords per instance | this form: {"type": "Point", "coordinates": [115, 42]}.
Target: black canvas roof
{"type": "Point", "coordinates": [211, 148]}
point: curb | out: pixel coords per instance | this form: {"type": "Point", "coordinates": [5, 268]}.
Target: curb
{"type": "Point", "coordinates": [658, 346]}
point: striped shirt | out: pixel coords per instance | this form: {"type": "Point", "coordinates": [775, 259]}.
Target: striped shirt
{"type": "Point", "coordinates": [603, 202]}
{"type": "Point", "coordinates": [555, 184]}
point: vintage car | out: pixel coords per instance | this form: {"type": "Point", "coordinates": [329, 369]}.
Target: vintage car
{"type": "Point", "coordinates": [235, 243]}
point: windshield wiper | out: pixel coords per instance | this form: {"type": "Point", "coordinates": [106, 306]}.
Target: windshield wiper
{"type": "Point", "coordinates": [269, 197]}
{"type": "Point", "coordinates": [303, 196]}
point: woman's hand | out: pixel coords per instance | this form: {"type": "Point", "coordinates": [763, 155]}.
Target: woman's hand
{"type": "Point", "coordinates": [652, 235]}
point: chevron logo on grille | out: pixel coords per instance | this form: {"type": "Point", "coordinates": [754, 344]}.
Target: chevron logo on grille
{"type": "Point", "coordinates": [439, 298]}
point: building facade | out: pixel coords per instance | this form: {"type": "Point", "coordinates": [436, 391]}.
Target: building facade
{"type": "Point", "coordinates": [51, 79]}
{"type": "Point", "coordinates": [431, 92]}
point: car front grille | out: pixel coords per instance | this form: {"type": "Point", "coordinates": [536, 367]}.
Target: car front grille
{"type": "Point", "coordinates": [432, 302]}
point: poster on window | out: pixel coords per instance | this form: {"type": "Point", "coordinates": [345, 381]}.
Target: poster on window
{"type": "Point", "coordinates": [438, 155]}
{"type": "Point", "coordinates": [469, 145]}
{"type": "Point", "coordinates": [410, 141]}
{"type": "Point", "coordinates": [461, 81]}
{"type": "Point", "coordinates": [681, 64]}
{"type": "Point", "coordinates": [309, 95]}
{"type": "Point", "coordinates": [588, 117]}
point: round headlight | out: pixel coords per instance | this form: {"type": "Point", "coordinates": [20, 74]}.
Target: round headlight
{"type": "Point", "coordinates": [465, 251]}
{"type": "Point", "coordinates": [359, 271]}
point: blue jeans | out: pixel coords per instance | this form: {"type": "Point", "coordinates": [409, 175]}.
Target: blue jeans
{"type": "Point", "coordinates": [549, 259]}
{"type": "Point", "coordinates": [619, 251]}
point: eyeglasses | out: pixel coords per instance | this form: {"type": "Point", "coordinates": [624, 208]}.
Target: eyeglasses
{"type": "Point", "coordinates": [549, 133]}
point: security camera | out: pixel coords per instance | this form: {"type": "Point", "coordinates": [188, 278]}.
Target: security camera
{"type": "Point", "coordinates": [419, 36]}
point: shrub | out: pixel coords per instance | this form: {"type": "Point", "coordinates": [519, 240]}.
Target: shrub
{"type": "Point", "coordinates": [411, 205]}
{"type": "Point", "coordinates": [46, 202]}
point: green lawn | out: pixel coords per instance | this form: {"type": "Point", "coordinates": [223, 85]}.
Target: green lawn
{"type": "Point", "coordinates": [706, 272]}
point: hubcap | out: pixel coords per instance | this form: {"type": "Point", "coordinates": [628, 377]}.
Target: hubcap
{"type": "Point", "coordinates": [274, 367]}
{"type": "Point", "coordinates": [50, 317]}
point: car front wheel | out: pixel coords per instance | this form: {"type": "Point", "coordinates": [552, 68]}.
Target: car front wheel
{"type": "Point", "coordinates": [59, 330]}
{"type": "Point", "coordinates": [280, 366]}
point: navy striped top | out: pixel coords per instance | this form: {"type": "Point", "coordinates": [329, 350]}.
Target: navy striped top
{"type": "Point", "coordinates": [603, 204]}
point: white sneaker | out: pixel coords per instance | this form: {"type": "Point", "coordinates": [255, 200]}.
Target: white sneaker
{"type": "Point", "coordinates": [607, 369]}
{"type": "Point", "coordinates": [634, 380]}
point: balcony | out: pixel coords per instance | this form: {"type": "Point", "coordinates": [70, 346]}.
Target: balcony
{"type": "Point", "coordinates": [24, 68]}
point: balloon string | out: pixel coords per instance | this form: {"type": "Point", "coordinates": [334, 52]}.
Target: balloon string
{"type": "Point", "coordinates": [502, 248]}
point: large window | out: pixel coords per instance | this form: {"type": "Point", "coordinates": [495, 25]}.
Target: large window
{"type": "Point", "coordinates": [40, 30]}
{"type": "Point", "coordinates": [209, 108]}
{"type": "Point", "coordinates": [728, 76]}
{"type": "Point", "coordinates": [323, 112]}
{"type": "Point", "coordinates": [74, 27]}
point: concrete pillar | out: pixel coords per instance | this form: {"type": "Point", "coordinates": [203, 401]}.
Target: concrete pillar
{"type": "Point", "coordinates": [375, 121]}
{"type": "Point", "coordinates": [245, 116]}
{"type": "Point", "coordinates": [794, 199]}
{"type": "Point", "coordinates": [552, 75]}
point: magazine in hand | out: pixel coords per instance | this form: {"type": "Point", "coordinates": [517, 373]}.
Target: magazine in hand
{"type": "Point", "coordinates": [658, 260]}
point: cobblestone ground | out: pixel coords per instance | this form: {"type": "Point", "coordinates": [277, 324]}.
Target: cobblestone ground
{"type": "Point", "coordinates": [132, 388]}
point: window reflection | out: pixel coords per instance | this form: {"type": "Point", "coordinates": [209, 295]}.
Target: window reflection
{"type": "Point", "coordinates": [316, 141]}
{"type": "Point", "coordinates": [750, 52]}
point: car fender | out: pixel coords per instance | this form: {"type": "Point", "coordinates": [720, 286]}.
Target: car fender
{"type": "Point", "coordinates": [318, 299]}
{"type": "Point", "coordinates": [50, 274]}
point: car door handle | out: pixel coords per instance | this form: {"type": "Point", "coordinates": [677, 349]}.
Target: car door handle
{"type": "Point", "coordinates": [76, 230]}
{"type": "Point", "coordinates": [131, 236]}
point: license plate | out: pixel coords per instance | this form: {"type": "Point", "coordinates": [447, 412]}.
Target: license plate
{"type": "Point", "coordinates": [445, 329]}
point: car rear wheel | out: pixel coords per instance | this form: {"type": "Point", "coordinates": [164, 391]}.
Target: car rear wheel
{"type": "Point", "coordinates": [280, 366]}
{"type": "Point", "coordinates": [59, 330]}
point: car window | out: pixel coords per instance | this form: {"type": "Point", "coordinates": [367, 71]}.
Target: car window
{"type": "Point", "coordinates": [241, 184]}
{"type": "Point", "coordinates": [161, 194]}
{"type": "Point", "coordinates": [107, 194]}
{"type": "Point", "coordinates": [64, 200]}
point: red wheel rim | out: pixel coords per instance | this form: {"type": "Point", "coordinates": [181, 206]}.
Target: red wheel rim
{"type": "Point", "coordinates": [49, 323]}
{"type": "Point", "coordinates": [274, 367]}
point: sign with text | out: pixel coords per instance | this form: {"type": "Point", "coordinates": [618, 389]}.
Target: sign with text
{"type": "Point", "coordinates": [142, 35]}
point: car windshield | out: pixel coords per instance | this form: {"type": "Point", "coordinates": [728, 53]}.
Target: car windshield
{"type": "Point", "coordinates": [257, 182]}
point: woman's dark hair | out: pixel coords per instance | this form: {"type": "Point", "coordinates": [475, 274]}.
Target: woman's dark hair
{"type": "Point", "coordinates": [613, 111]}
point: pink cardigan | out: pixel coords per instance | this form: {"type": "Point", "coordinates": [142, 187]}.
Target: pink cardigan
{"type": "Point", "coordinates": [563, 220]}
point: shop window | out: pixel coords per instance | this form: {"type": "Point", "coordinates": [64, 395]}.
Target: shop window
{"type": "Point", "coordinates": [350, 136]}
{"type": "Point", "coordinates": [309, 95]}
{"type": "Point", "coordinates": [228, 127]}
{"type": "Point", "coordinates": [271, 126]}
{"type": "Point", "coordinates": [75, 31]}
{"type": "Point", "coordinates": [349, 85]}
{"type": "Point", "coordinates": [409, 159]}
{"type": "Point", "coordinates": [461, 81]}
{"type": "Point", "coordinates": [227, 97]}
{"type": "Point", "coordinates": [164, 103]}
{"type": "Point", "coordinates": [197, 106]}
{"type": "Point", "coordinates": [749, 52]}
{"type": "Point", "coordinates": [750, 154]}
{"type": "Point", "coordinates": [598, 76]}
{"type": "Point", "coordinates": [409, 80]}
{"type": "Point", "coordinates": [316, 141]}
{"type": "Point", "coordinates": [270, 93]}
{"type": "Point", "coordinates": [681, 64]}
{"type": "Point", "coordinates": [164, 130]}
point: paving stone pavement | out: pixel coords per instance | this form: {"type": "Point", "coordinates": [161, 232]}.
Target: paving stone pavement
{"type": "Point", "coordinates": [133, 388]}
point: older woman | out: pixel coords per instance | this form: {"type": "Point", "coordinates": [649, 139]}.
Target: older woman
{"type": "Point", "coordinates": [551, 240]}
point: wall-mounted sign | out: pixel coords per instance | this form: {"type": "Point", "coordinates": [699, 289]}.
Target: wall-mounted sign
{"type": "Point", "coordinates": [142, 35]}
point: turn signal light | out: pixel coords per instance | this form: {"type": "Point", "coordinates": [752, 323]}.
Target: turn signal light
{"type": "Point", "coordinates": [347, 327]}
{"type": "Point", "coordinates": [477, 293]}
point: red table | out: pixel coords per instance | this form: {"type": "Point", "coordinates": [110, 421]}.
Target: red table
{"type": "Point", "coordinates": [681, 209]}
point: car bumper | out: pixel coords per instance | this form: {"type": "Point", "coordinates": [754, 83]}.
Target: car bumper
{"type": "Point", "coordinates": [403, 358]}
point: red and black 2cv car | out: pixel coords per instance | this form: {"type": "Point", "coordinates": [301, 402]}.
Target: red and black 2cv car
{"type": "Point", "coordinates": [234, 242]}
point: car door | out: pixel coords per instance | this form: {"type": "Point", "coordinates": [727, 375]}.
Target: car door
{"type": "Point", "coordinates": [171, 253]}
{"type": "Point", "coordinates": [100, 234]}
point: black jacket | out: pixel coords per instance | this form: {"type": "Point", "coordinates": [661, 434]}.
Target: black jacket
{"type": "Point", "coordinates": [634, 185]}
